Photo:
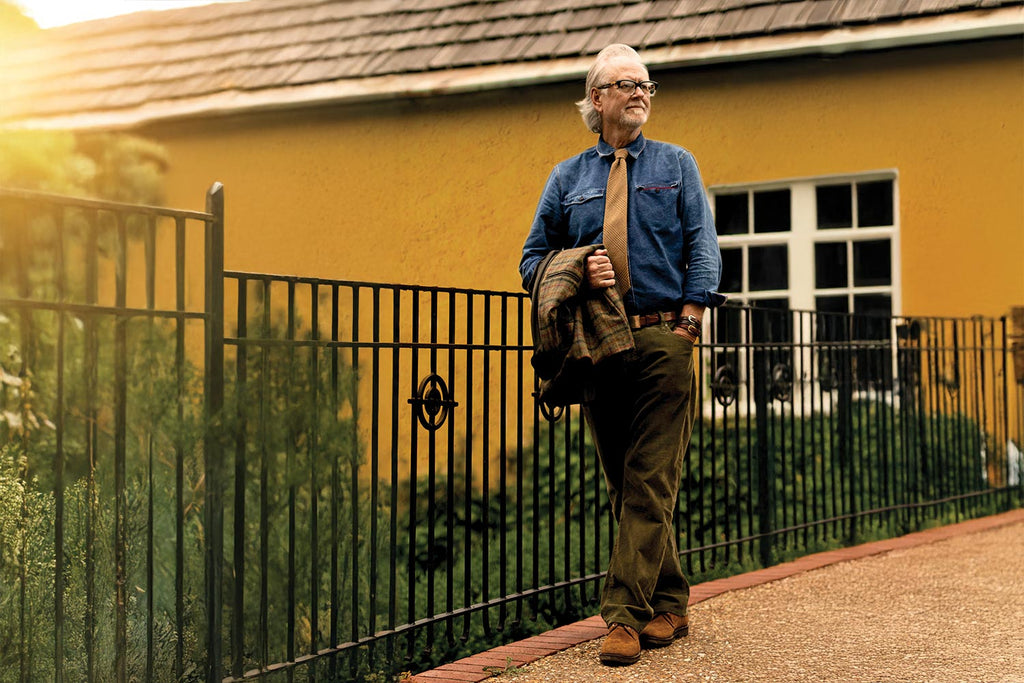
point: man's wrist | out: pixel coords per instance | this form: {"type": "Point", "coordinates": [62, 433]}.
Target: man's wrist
{"type": "Point", "coordinates": [689, 324]}
{"type": "Point", "coordinates": [696, 310]}
{"type": "Point", "coordinates": [691, 319]}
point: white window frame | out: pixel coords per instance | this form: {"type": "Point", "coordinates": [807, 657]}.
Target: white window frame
{"type": "Point", "coordinates": [804, 233]}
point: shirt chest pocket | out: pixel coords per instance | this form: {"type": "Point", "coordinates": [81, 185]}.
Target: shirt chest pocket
{"type": "Point", "coordinates": [657, 204]}
{"type": "Point", "coordinates": [584, 211]}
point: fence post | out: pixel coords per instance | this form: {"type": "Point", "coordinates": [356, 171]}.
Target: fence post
{"type": "Point", "coordinates": [765, 456]}
{"type": "Point", "coordinates": [847, 467]}
{"type": "Point", "coordinates": [1017, 312]}
{"type": "Point", "coordinates": [909, 366]}
{"type": "Point", "coordinates": [213, 384]}
{"type": "Point", "coordinates": [1017, 352]}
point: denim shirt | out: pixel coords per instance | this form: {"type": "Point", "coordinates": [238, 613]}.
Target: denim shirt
{"type": "Point", "coordinates": [673, 247]}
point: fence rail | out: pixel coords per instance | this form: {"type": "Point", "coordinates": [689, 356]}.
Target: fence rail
{"type": "Point", "coordinates": [278, 478]}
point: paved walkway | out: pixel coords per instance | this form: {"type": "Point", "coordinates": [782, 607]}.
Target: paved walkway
{"type": "Point", "coordinates": [946, 604]}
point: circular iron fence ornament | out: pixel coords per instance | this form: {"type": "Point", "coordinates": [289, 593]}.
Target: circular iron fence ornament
{"type": "Point", "coordinates": [551, 413]}
{"type": "Point", "coordinates": [725, 385]}
{"type": "Point", "coordinates": [782, 382]}
{"type": "Point", "coordinates": [432, 402]}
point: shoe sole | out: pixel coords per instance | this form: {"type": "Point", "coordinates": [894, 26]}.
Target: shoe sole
{"type": "Point", "coordinates": [649, 642]}
{"type": "Point", "coordinates": [619, 660]}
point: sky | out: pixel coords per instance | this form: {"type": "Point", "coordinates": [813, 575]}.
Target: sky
{"type": "Point", "coordinates": [49, 13]}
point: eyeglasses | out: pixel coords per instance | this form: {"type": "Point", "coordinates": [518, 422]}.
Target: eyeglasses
{"type": "Point", "coordinates": [629, 87]}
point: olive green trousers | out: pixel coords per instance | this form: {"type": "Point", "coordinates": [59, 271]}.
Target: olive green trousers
{"type": "Point", "coordinates": [641, 409]}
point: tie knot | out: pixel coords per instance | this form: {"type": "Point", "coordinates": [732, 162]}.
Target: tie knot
{"type": "Point", "coordinates": [621, 153]}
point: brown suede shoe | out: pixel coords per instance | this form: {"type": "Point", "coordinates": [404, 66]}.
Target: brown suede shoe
{"type": "Point", "coordinates": [663, 629]}
{"type": "Point", "coordinates": [621, 647]}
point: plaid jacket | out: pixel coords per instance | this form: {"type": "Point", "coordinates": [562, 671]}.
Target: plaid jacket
{"type": "Point", "coordinates": [574, 328]}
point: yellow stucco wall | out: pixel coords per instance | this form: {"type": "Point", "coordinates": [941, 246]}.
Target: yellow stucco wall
{"type": "Point", "coordinates": [442, 191]}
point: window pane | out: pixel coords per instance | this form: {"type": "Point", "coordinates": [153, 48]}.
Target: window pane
{"type": "Point", "coordinates": [832, 331]}
{"type": "Point", "coordinates": [835, 206]}
{"type": "Point", "coordinates": [771, 211]}
{"type": "Point", "coordinates": [732, 271]}
{"type": "Point", "coordinates": [872, 263]}
{"type": "Point", "coordinates": [872, 311]}
{"type": "Point", "coordinates": [874, 203]}
{"type": "Point", "coordinates": [873, 365]}
{"type": "Point", "coordinates": [731, 214]}
{"type": "Point", "coordinates": [728, 325]}
{"type": "Point", "coordinates": [771, 320]}
{"type": "Point", "coordinates": [769, 267]}
{"type": "Point", "coordinates": [830, 265]}
{"type": "Point", "coordinates": [832, 318]}
{"type": "Point", "coordinates": [832, 304]}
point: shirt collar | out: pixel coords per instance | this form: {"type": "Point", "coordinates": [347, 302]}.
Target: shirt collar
{"type": "Point", "coordinates": [634, 148]}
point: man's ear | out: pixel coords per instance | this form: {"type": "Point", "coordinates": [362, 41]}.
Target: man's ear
{"type": "Point", "coordinates": [595, 99]}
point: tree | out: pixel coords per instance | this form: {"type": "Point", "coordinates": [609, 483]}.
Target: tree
{"type": "Point", "coordinates": [113, 166]}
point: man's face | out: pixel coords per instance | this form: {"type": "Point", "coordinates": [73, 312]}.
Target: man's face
{"type": "Point", "coordinates": [619, 108]}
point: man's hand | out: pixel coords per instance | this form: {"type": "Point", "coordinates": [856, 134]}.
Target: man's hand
{"type": "Point", "coordinates": [682, 332]}
{"type": "Point", "coordinates": [599, 270]}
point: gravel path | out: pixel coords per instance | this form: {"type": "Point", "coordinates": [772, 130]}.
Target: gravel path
{"type": "Point", "coordinates": [949, 611]}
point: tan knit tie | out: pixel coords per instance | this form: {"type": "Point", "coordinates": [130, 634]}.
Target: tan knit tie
{"type": "Point", "coordinates": [616, 201]}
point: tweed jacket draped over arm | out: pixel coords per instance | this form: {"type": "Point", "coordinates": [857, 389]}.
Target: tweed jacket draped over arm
{"type": "Point", "coordinates": [574, 327]}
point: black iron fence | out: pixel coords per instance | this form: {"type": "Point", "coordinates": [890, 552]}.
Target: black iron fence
{"type": "Point", "coordinates": [284, 478]}
{"type": "Point", "coordinates": [109, 322]}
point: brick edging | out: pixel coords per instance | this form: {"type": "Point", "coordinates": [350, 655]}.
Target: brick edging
{"type": "Point", "coordinates": [481, 666]}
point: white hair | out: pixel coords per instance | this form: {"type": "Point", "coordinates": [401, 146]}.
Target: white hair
{"type": "Point", "coordinates": [592, 117]}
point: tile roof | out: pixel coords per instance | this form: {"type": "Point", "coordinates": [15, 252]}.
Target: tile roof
{"type": "Point", "coordinates": [152, 65]}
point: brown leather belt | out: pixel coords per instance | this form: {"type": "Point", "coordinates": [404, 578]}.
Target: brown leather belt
{"type": "Point", "coordinates": [646, 320]}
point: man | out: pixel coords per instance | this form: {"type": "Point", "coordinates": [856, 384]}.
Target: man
{"type": "Point", "coordinates": [645, 201]}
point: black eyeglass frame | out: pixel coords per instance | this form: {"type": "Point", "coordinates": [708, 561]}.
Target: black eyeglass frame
{"type": "Point", "coordinates": [649, 87]}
